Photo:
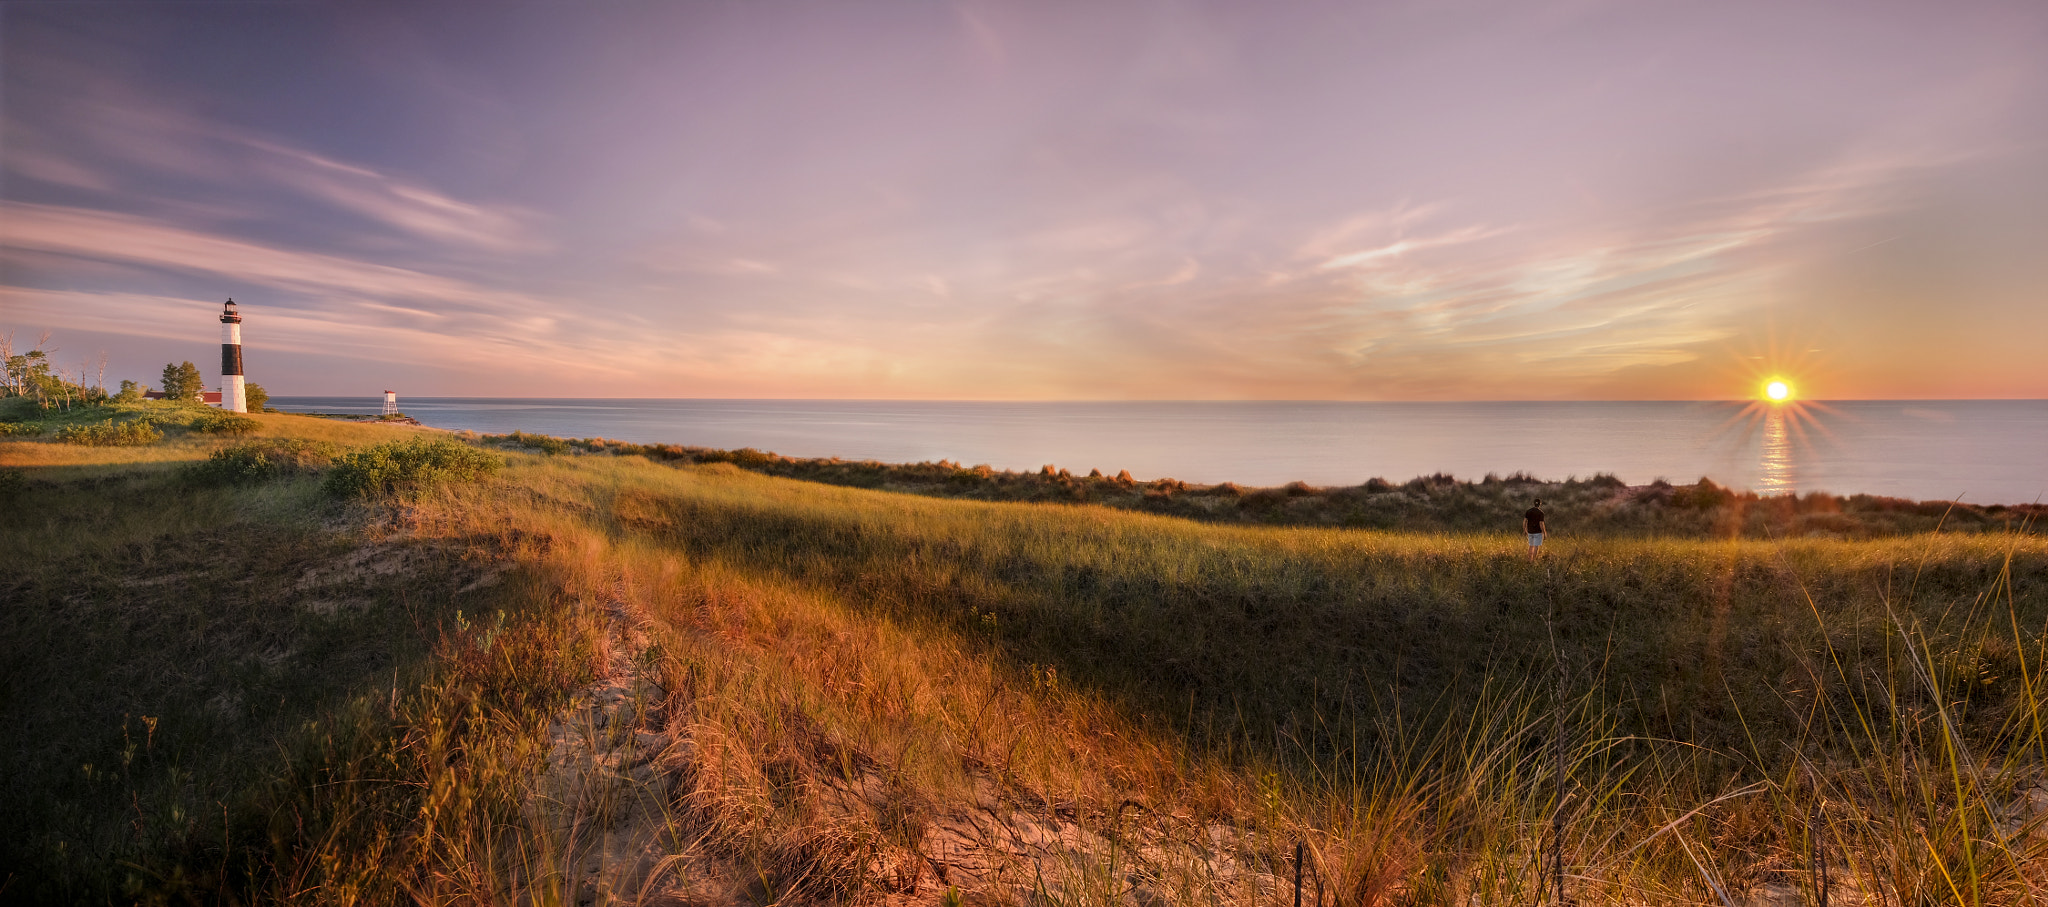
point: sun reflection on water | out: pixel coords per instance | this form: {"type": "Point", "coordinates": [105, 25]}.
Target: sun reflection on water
{"type": "Point", "coordinates": [1785, 433]}
{"type": "Point", "coordinates": [1775, 471]}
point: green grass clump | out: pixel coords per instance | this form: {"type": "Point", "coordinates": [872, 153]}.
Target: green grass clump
{"type": "Point", "coordinates": [222, 423]}
{"type": "Point", "coordinates": [411, 465]}
{"type": "Point", "coordinates": [133, 433]}
{"type": "Point", "coordinates": [547, 444]}
{"type": "Point", "coordinates": [258, 461]}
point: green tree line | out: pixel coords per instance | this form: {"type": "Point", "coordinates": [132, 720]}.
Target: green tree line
{"type": "Point", "coordinates": [34, 374]}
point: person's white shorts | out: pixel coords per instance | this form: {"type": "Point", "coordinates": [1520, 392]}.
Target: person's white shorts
{"type": "Point", "coordinates": [1535, 539]}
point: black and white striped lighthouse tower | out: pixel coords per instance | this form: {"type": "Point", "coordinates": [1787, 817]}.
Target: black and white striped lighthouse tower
{"type": "Point", "coordinates": [233, 397]}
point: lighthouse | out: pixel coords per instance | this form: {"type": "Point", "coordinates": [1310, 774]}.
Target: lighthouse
{"type": "Point", "coordinates": [233, 398]}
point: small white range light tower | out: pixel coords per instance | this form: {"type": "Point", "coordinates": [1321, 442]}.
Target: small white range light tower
{"type": "Point", "coordinates": [390, 403]}
{"type": "Point", "coordinates": [233, 396]}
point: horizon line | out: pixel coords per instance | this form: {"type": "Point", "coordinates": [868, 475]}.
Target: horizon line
{"type": "Point", "coordinates": [1817, 400]}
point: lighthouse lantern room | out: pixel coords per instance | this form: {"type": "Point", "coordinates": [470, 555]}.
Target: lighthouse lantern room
{"type": "Point", "coordinates": [233, 396]}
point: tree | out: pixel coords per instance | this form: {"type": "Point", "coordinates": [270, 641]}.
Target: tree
{"type": "Point", "coordinates": [255, 396]}
{"type": "Point", "coordinates": [36, 374]}
{"type": "Point", "coordinates": [182, 382]}
{"type": "Point", "coordinates": [27, 373]}
{"type": "Point", "coordinates": [130, 391]}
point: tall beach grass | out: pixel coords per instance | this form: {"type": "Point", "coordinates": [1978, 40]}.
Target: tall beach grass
{"type": "Point", "coordinates": [846, 676]}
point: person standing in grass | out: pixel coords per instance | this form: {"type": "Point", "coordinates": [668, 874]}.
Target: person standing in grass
{"type": "Point", "coordinates": [1532, 523]}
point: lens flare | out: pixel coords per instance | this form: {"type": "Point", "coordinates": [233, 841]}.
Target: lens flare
{"type": "Point", "coordinates": [1773, 420]}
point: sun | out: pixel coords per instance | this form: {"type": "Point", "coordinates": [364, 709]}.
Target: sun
{"type": "Point", "coordinates": [1778, 391]}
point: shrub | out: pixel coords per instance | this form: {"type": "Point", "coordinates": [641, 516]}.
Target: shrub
{"type": "Point", "coordinates": [225, 424]}
{"type": "Point", "coordinates": [401, 466]}
{"type": "Point", "coordinates": [255, 397]}
{"type": "Point", "coordinates": [1436, 481]}
{"type": "Point", "coordinates": [547, 444]}
{"type": "Point", "coordinates": [1262, 499]}
{"type": "Point", "coordinates": [20, 429]}
{"type": "Point", "coordinates": [257, 461]}
{"type": "Point", "coordinates": [1703, 496]}
{"type": "Point", "coordinates": [137, 433]}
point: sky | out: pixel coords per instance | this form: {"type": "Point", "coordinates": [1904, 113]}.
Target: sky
{"type": "Point", "coordinates": [1438, 200]}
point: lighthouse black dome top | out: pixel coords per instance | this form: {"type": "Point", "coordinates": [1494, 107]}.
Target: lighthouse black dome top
{"type": "Point", "coordinates": [228, 315]}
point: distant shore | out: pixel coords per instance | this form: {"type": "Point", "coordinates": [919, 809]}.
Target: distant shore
{"type": "Point", "coordinates": [398, 419]}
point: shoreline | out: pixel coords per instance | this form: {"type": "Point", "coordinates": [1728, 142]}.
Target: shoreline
{"type": "Point", "coordinates": [1599, 505]}
{"type": "Point", "coordinates": [362, 419]}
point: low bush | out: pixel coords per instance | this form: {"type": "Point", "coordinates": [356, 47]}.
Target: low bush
{"type": "Point", "coordinates": [548, 444]}
{"type": "Point", "coordinates": [218, 423]}
{"type": "Point", "coordinates": [401, 466]}
{"type": "Point", "coordinates": [745, 458]}
{"type": "Point", "coordinates": [258, 461]}
{"type": "Point", "coordinates": [20, 429]}
{"type": "Point", "coordinates": [1702, 496]}
{"type": "Point", "coordinates": [136, 433]}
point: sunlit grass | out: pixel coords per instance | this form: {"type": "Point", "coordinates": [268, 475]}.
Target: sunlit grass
{"type": "Point", "coordinates": [853, 669]}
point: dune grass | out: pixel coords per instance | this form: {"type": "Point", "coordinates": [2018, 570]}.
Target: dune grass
{"type": "Point", "coordinates": [1600, 505]}
{"type": "Point", "coordinates": [1413, 710]}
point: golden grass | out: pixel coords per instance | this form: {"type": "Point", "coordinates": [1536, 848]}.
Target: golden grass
{"type": "Point", "coordinates": [851, 674]}
{"type": "Point", "coordinates": [46, 453]}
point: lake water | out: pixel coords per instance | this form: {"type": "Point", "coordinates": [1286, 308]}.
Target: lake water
{"type": "Point", "coordinates": [1983, 451]}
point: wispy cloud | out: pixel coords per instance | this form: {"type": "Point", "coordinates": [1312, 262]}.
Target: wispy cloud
{"type": "Point", "coordinates": [407, 207]}
{"type": "Point", "coordinates": [114, 138]}
{"type": "Point", "coordinates": [130, 239]}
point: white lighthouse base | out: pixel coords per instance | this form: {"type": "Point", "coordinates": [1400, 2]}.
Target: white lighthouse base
{"type": "Point", "coordinates": [233, 397]}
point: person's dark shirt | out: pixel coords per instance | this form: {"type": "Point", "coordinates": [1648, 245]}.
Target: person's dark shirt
{"type": "Point", "coordinates": [1533, 520]}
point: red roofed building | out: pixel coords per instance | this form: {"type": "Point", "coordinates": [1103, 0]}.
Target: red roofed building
{"type": "Point", "coordinates": [210, 398]}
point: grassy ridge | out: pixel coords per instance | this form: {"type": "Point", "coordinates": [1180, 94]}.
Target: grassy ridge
{"type": "Point", "coordinates": [1394, 698]}
{"type": "Point", "coordinates": [1277, 626]}
{"type": "Point", "coordinates": [1601, 505]}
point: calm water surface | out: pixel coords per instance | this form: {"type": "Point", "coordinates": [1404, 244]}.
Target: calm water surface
{"type": "Point", "coordinates": [1985, 451]}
